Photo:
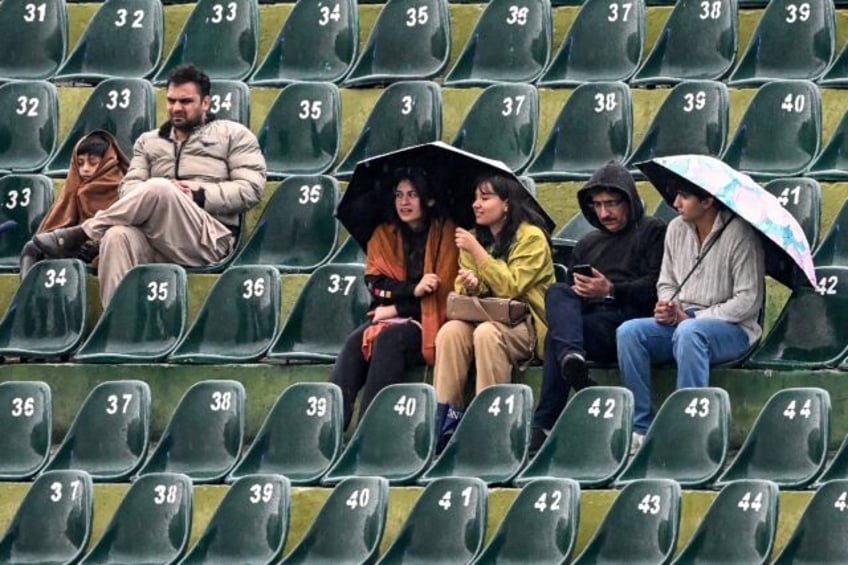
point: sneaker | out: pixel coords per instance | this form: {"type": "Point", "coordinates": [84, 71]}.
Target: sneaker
{"type": "Point", "coordinates": [636, 441]}
{"type": "Point", "coordinates": [537, 438]}
{"type": "Point", "coordinates": [575, 370]}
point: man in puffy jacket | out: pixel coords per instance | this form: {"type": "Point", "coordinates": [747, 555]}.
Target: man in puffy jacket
{"type": "Point", "coordinates": [180, 201]}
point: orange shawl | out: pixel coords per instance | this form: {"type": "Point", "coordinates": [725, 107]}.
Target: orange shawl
{"type": "Point", "coordinates": [386, 257]}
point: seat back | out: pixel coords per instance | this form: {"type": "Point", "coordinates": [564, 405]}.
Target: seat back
{"type": "Point", "coordinates": [144, 320]}
{"type": "Point", "coordinates": [837, 75]}
{"type": "Point", "coordinates": [665, 212]}
{"type": "Point", "coordinates": [27, 421]}
{"type": "Point", "coordinates": [29, 113]}
{"type": "Point", "coordinates": [510, 109]}
{"type": "Point", "coordinates": [348, 252]}
{"type": "Point", "coordinates": [110, 433]}
{"type": "Point", "coordinates": [32, 45]}
{"type": "Point", "coordinates": [788, 442]}
{"type": "Point", "coordinates": [301, 436]}
{"type": "Point", "coordinates": [832, 163]}
{"type": "Point", "coordinates": [819, 535]}
{"type": "Point", "coordinates": [802, 197]}
{"type": "Point", "coordinates": [833, 251]}
{"type": "Point", "coordinates": [395, 438]}
{"type": "Point", "coordinates": [230, 100]}
{"type": "Point", "coordinates": [26, 199]}
{"type": "Point", "coordinates": [53, 523]}
{"type": "Point", "coordinates": [492, 438]}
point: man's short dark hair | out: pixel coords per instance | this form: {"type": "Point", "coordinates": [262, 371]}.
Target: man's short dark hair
{"type": "Point", "coordinates": [93, 145]}
{"type": "Point", "coordinates": [189, 73]}
{"type": "Point", "coordinates": [691, 189]}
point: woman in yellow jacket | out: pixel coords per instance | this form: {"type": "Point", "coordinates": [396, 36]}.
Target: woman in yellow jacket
{"type": "Point", "coordinates": [507, 256]}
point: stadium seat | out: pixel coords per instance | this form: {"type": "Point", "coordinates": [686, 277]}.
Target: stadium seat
{"type": "Point", "coordinates": [109, 436]}
{"type": "Point", "coordinates": [29, 120]}
{"type": "Point", "coordinates": [698, 42]}
{"type": "Point", "coordinates": [331, 305]}
{"type": "Point", "coordinates": [27, 428]}
{"type": "Point", "coordinates": [594, 126]}
{"type": "Point", "coordinates": [230, 100]}
{"type": "Point", "coordinates": [26, 199]}
{"type": "Point", "coordinates": [407, 113]}
{"type": "Point", "coordinates": [34, 39]}
{"type": "Point", "coordinates": [238, 320]}
{"type": "Point", "coordinates": [395, 438]}
{"type": "Point", "coordinates": [837, 75]}
{"type": "Point", "coordinates": [604, 43]}
{"type": "Point", "coordinates": [832, 251]}
{"type": "Point", "coordinates": [53, 522]}
{"type": "Point", "coordinates": [310, 48]}
{"type": "Point", "coordinates": [564, 240]}
{"type": "Point", "coordinates": [665, 212]}
{"type": "Point", "coordinates": [300, 437]}
{"type": "Point", "coordinates": [204, 436]}
{"type": "Point", "coordinates": [820, 534]}
{"type": "Point", "coordinates": [540, 525]}
{"type": "Point", "coordinates": [249, 526]}
{"type": "Point", "coordinates": [812, 330]}
{"type": "Point", "coordinates": [410, 40]}
{"type": "Point", "coordinates": [687, 441]}
{"type": "Point", "coordinates": [348, 252]}
{"type": "Point", "coordinates": [512, 110]}
{"type": "Point", "coordinates": [122, 40]}
{"type": "Point", "coordinates": [640, 527]}
{"type": "Point", "coordinates": [837, 469]}
{"type": "Point", "coordinates": [511, 42]}
{"type": "Point", "coordinates": [47, 315]}
{"type": "Point", "coordinates": [589, 442]}
{"type": "Point", "coordinates": [788, 441]}
{"type": "Point", "coordinates": [832, 162]}
{"type": "Point", "coordinates": [123, 107]}
{"type": "Point", "coordinates": [780, 132]}
{"type": "Point", "coordinates": [220, 38]}
{"type": "Point", "coordinates": [739, 527]}
{"type": "Point", "coordinates": [446, 525]}
{"type": "Point", "coordinates": [300, 135]}
{"type": "Point", "coordinates": [492, 438]}
{"type": "Point", "coordinates": [143, 321]}
{"type": "Point", "coordinates": [151, 525]}
{"type": "Point", "coordinates": [357, 507]}
{"type": "Point", "coordinates": [792, 41]}
{"type": "Point", "coordinates": [802, 197]}
{"type": "Point", "coordinates": [297, 231]}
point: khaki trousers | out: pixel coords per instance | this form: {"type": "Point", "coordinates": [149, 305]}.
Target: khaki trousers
{"type": "Point", "coordinates": [155, 223]}
{"type": "Point", "coordinates": [493, 347]}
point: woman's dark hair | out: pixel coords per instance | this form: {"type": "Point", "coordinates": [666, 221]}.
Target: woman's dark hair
{"type": "Point", "coordinates": [519, 210]}
{"type": "Point", "coordinates": [418, 178]}
{"type": "Point", "coordinates": [93, 144]}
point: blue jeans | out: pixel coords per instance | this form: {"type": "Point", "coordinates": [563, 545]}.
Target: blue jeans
{"type": "Point", "coordinates": [693, 345]}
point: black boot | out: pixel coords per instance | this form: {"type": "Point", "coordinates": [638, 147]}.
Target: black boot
{"type": "Point", "coordinates": [61, 243]}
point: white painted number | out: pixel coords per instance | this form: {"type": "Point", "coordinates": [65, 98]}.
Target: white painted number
{"type": "Point", "coordinates": [542, 503]}
{"type": "Point", "coordinates": [310, 109]}
{"type": "Point", "coordinates": [218, 102]}
{"type": "Point", "coordinates": [35, 12]}
{"type": "Point", "coordinates": [336, 284]}
{"type": "Point", "coordinates": [407, 103]}
{"type": "Point", "coordinates": [512, 105]}
{"type": "Point", "coordinates": [56, 490]}
{"type": "Point", "coordinates": [317, 406]}
{"type": "Point", "coordinates": [157, 291]}
{"type": "Point", "coordinates": [605, 102]}
{"type": "Point", "coordinates": [827, 285]}
{"type": "Point", "coordinates": [113, 404]}
{"type": "Point", "coordinates": [619, 11]}
{"type": "Point", "coordinates": [309, 194]}
{"type": "Point", "coordinates": [221, 13]}
{"type": "Point", "coordinates": [417, 16]}
{"type": "Point", "coordinates": [138, 18]}
{"type": "Point", "coordinates": [755, 503]}
{"type": "Point", "coordinates": [698, 407]}
{"type": "Point", "coordinates": [595, 408]}
{"type": "Point", "coordinates": [842, 502]}
{"type": "Point", "coordinates": [517, 15]}
{"type": "Point", "coordinates": [405, 405]}
{"type": "Point", "coordinates": [13, 202]}
{"type": "Point", "coordinates": [163, 494]}
{"type": "Point", "coordinates": [797, 12]}
{"type": "Point", "coordinates": [805, 412]}
{"type": "Point", "coordinates": [358, 499]}
{"type": "Point", "coordinates": [118, 99]}
{"type": "Point", "coordinates": [650, 504]}
{"type": "Point", "coordinates": [27, 107]}
{"type": "Point", "coordinates": [694, 101]}
{"type": "Point", "coordinates": [445, 502]}
{"type": "Point", "coordinates": [54, 278]}
{"type": "Point", "coordinates": [253, 288]}
{"type": "Point", "coordinates": [329, 14]}
{"type": "Point", "coordinates": [221, 401]}
{"type": "Point", "coordinates": [23, 407]}
{"type": "Point", "coordinates": [495, 407]}
{"type": "Point", "coordinates": [261, 493]}
{"type": "Point", "coordinates": [793, 103]}
{"type": "Point", "coordinates": [710, 10]}
{"type": "Point", "coordinates": [786, 192]}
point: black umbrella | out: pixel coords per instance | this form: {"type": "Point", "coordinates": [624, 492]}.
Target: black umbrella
{"type": "Point", "coordinates": [368, 199]}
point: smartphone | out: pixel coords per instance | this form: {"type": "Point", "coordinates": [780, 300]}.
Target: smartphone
{"type": "Point", "coordinates": [583, 269]}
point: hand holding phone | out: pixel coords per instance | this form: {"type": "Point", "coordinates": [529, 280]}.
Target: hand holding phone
{"type": "Point", "coordinates": [583, 269]}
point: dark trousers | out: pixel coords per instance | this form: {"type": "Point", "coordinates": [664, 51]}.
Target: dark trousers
{"type": "Point", "coordinates": [395, 350]}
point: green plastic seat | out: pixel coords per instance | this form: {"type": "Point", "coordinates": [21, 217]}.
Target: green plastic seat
{"type": "Point", "coordinates": [122, 40]}
{"type": "Point", "coordinates": [688, 440]}
{"type": "Point", "coordinates": [540, 525]}
{"type": "Point", "coordinates": [26, 199]}
{"type": "Point", "coordinates": [348, 252]}
{"type": "Point", "coordinates": [238, 320]}
{"type": "Point", "coordinates": [511, 42]}
{"type": "Point", "coordinates": [510, 109]}
{"type": "Point", "coordinates": [53, 523]}
{"type": "Point", "coordinates": [594, 126]}
{"type": "Point", "coordinates": [407, 113]}
{"type": "Point", "coordinates": [29, 120]}
{"type": "Point", "coordinates": [348, 528]}
{"type": "Point", "coordinates": [811, 331]}
{"type": "Point", "coordinates": [832, 251]}
{"type": "Point", "coordinates": [837, 469]}
{"type": "Point", "coordinates": [696, 43]}
{"type": "Point", "coordinates": [395, 438]}
{"type": "Point", "coordinates": [47, 315]}
{"type": "Point", "coordinates": [250, 524]}
{"type": "Point", "coordinates": [230, 100]}
{"type": "Point", "coordinates": [123, 107]}
{"type": "Point", "coordinates": [222, 38]}
{"type": "Point", "coordinates": [446, 525]}
{"type": "Point", "coordinates": [665, 212]}
{"type": "Point", "coordinates": [788, 441]}
{"type": "Point", "coordinates": [143, 321]}
{"type": "Point", "coordinates": [492, 438]}
{"type": "Point", "coordinates": [589, 442]}
{"type": "Point", "coordinates": [780, 132]}
{"type": "Point", "coordinates": [300, 134]}
{"type": "Point", "coordinates": [792, 41]}
{"type": "Point", "coordinates": [109, 436]}
{"type": "Point", "coordinates": [739, 527]}
{"type": "Point", "coordinates": [27, 422]}
{"type": "Point", "coordinates": [331, 305]}
{"type": "Point", "coordinates": [204, 436]}
{"type": "Point", "coordinates": [297, 231]}
{"type": "Point", "coordinates": [802, 197]}
{"type": "Point", "coordinates": [564, 240]}
{"type": "Point", "coordinates": [300, 437]}
{"type": "Point", "coordinates": [820, 534]}
{"type": "Point", "coordinates": [317, 43]}
{"type": "Point", "coordinates": [34, 39]}
{"type": "Point", "coordinates": [832, 162]}
{"type": "Point", "coordinates": [837, 75]}
{"type": "Point", "coordinates": [604, 43]}
{"type": "Point", "coordinates": [151, 525]}
{"type": "Point", "coordinates": [410, 40]}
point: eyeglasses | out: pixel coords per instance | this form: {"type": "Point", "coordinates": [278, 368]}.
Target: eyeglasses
{"type": "Point", "coordinates": [608, 204]}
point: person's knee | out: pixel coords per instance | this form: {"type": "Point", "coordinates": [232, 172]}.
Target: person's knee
{"type": "Point", "coordinates": [627, 332]}
{"type": "Point", "coordinates": [558, 293]}
{"type": "Point", "coordinates": [121, 235]}
{"type": "Point", "coordinates": [450, 334]}
{"type": "Point", "coordinates": [486, 333]}
{"type": "Point", "coordinates": [689, 334]}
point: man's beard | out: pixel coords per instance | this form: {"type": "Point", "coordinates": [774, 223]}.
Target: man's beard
{"type": "Point", "coordinates": [187, 124]}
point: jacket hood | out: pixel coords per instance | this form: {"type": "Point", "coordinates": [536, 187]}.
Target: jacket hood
{"type": "Point", "coordinates": [612, 176]}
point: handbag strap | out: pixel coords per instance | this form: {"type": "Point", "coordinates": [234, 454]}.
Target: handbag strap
{"type": "Point", "coordinates": [700, 258]}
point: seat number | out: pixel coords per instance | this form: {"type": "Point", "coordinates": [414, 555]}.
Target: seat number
{"type": "Point", "coordinates": [118, 99]}
{"type": "Point", "coordinates": [417, 16]}
{"type": "Point", "coordinates": [784, 196]}
{"type": "Point", "coordinates": [827, 285]}
{"type": "Point", "coordinates": [358, 498]}
{"type": "Point", "coordinates": [747, 502]}
{"type": "Point", "coordinates": [221, 401]}
{"type": "Point", "coordinates": [339, 283]}
{"type": "Point", "coordinates": [605, 102]}
{"type": "Point", "coordinates": [56, 493]}
{"type": "Point", "coordinates": [253, 288]}
{"type": "Point", "coordinates": [113, 403]}
{"type": "Point", "coordinates": [27, 107]}
{"type": "Point", "coordinates": [650, 504]}
{"type": "Point", "coordinates": [15, 198]}
{"type": "Point", "coordinates": [328, 14]}
{"type": "Point", "coordinates": [35, 12]}
{"type": "Point", "coordinates": [23, 407]}
{"type": "Point", "coordinates": [841, 502]}
{"type": "Point", "coordinates": [790, 411]}
{"type": "Point", "coordinates": [517, 15]}
{"type": "Point", "coordinates": [710, 10]}
{"type": "Point", "coordinates": [316, 406]}
{"type": "Point", "coordinates": [261, 493]}
{"type": "Point", "coordinates": [406, 105]}
{"type": "Point", "coordinates": [53, 278]}
{"type": "Point", "coordinates": [445, 502]}
{"type": "Point", "coordinates": [495, 406]}
{"type": "Point", "coordinates": [165, 494]}
{"type": "Point", "coordinates": [794, 103]}
{"type": "Point", "coordinates": [137, 18]}
{"type": "Point", "coordinates": [619, 11]}
{"type": "Point", "coordinates": [219, 102]}
{"type": "Point", "coordinates": [157, 290]}
{"type": "Point", "coordinates": [310, 109]}
{"type": "Point", "coordinates": [221, 13]}
{"type": "Point", "coordinates": [405, 405]}
{"type": "Point", "coordinates": [694, 101]}
{"type": "Point", "coordinates": [797, 12]}
{"type": "Point", "coordinates": [309, 194]}
{"type": "Point", "coordinates": [698, 408]}
{"type": "Point", "coordinates": [541, 503]}
{"type": "Point", "coordinates": [512, 105]}
{"type": "Point", "coordinates": [595, 408]}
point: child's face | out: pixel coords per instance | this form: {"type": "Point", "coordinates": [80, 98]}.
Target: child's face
{"type": "Point", "coordinates": [87, 165]}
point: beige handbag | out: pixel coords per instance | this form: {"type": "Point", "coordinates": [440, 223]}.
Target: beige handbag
{"type": "Point", "coordinates": [475, 309]}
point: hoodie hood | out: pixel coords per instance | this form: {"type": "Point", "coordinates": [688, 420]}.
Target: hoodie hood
{"type": "Point", "coordinates": [612, 176]}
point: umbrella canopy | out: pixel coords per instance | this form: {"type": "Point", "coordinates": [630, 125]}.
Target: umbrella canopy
{"type": "Point", "coordinates": [786, 246]}
{"type": "Point", "coordinates": [369, 198]}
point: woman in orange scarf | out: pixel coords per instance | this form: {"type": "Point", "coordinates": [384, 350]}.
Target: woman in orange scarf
{"type": "Point", "coordinates": [410, 267]}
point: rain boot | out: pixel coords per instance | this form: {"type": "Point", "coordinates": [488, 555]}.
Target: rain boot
{"type": "Point", "coordinates": [447, 419]}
